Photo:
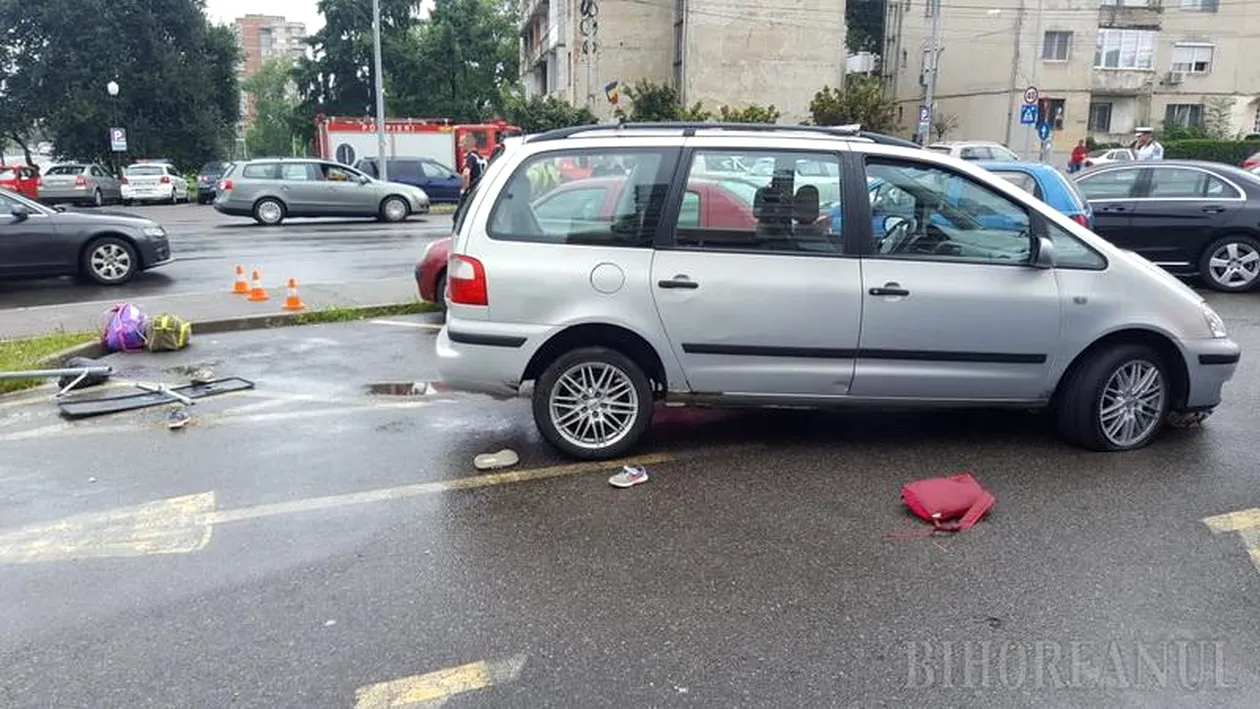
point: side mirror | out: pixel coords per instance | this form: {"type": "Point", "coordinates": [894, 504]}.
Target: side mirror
{"type": "Point", "coordinates": [364, 179]}
{"type": "Point", "coordinates": [60, 207]}
{"type": "Point", "coordinates": [892, 222]}
{"type": "Point", "coordinates": [1043, 253]}
{"type": "Point", "coordinates": [20, 212]}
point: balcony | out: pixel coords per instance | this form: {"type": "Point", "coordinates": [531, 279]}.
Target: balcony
{"type": "Point", "coordinates": [1121, 82]}
{"type": "Point", "coordinates": [1126, 17]}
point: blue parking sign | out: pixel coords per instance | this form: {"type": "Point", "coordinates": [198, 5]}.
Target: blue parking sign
{"type": "Point", "coordinates": [1043, 131]}
{"type": "Point", "coordinates": [1027, 114]}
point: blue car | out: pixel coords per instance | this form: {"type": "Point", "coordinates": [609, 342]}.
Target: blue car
{"type": "Point", "coordinates": [1044, 182]}
{"type": "Point", "coordinates": [438, 181]}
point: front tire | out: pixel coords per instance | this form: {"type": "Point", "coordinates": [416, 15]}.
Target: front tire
{"type": "Point", "coordinates": [110, 261]}
{"type": "Point", "coordinates": [269, 212]}
{"type": "Point", "coordinates": [394, 209]}
{"type": "Point", "coordinates": [1117, 400]}
{"type": "Point", "coordinates": [593, 403]}
{"type": "Point", "coordinates": [1231, 264]}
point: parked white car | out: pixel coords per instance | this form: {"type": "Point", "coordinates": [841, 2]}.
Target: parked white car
{"type": "Point", "coordinates": [153, 182]}
{"type": "Point", "coordinates": [1102, 157]}
{"type": "Point", "coordinates": [974, 150]}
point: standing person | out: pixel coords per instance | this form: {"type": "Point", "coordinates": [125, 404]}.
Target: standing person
{"type": "Point", "coordinates": [473, 167]}
{"type": "Point", "coordinates": [1146, 147]}
{"type": "Point", "coordinates": [1077, 161]}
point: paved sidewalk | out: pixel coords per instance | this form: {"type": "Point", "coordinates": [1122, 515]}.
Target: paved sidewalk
{"type": "Point", "coordinates": [79, 317]}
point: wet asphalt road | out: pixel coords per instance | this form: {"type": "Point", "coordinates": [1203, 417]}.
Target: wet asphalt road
{"type": "Point", "coordinates": [208, 245]}
{"type": "Point", "coordinates": [752, 570]}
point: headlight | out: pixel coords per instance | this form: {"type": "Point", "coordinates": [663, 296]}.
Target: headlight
{"type": "Point", "coordinates": [1214, 322]}
{"type": "Point", "coordinates": [154, 231]}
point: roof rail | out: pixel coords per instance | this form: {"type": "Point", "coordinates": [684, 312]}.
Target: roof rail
{"type": "Point", "coordinates": [689, 128]}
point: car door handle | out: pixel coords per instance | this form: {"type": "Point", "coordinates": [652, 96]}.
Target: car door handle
{"type": "Point", "coordinates": [678, 282]}
{"type": "Point", "coordinates": [1114, 208]}
{"type": "Point", "coordinates": [889, 289]}
{"type": "Point", "coordinates": [1213, 209]}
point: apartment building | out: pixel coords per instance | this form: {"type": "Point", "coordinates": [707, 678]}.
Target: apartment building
{"type": "Point", "coordinates": [263, 37]}
{"type": "Point", "coordinates": [732, 52]}
{"type": "Point", "coordinates": [1101, 68]}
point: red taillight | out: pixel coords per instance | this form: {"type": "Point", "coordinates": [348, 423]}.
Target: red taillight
{"type": "Point", "coordinates": [166, 179]}
{"type": "Point", "coordinates": [467, 281]}
{"type": "Point", "coordinates": [80, 181]}
{"type": "Point", "coordinates": [1081, 219]}
{"type": "Point", "coordinates": [225, 185]}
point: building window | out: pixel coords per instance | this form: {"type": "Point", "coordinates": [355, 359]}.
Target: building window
{"type": "Point", "coordinates": [1125, 49]}
{"type": "Point", "coordinates": [1199, 5]}
{"type": "Point", "coordinates": [1128, 3]}
{"type": "Point", "coordinates": [1053, 109]}
{"type": "Point", "coordinates": [1192, 58]}
{"type": "Point", "coordinates": [1100, 117]}
{"type": "Point", "coordinates": [1186, 115]}
{"type": "Point", "coordinates": [1055, 47]}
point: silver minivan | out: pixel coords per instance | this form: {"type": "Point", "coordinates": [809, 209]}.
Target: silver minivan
{"type": "Point", "coordinates": [625, 292]}
{"type": "Point", "coordinates": [271, 190]}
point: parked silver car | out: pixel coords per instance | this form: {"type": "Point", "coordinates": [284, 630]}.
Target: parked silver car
{"type": "Point", "coordinates": [976, 294]}
{"type": "Point", "coordinates": [272, 190]}
{"type": "Point", "coordinates": [78, 183]}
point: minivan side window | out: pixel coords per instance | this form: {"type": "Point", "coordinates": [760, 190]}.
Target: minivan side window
{"type": "Point", "coordinates": [529, 208]}
{"type": "Point", "coordinates": [953, 218]}
{"type": "Point", "coordinates": [785, 204]}
{"type": "Point", "coordinates": [260, 171]}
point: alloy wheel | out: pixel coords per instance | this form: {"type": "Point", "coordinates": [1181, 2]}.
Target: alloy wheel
{"type": "Point", "coordinates": [1235, 265]}
{"type": "Point", "coordinates": [593, 405]}
{"type": "Point", "coordinates": [1132, 403]}
{"type": "Point", "coordinates": [110, 262]}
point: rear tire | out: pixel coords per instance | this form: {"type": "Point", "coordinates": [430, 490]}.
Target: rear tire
{"type": "Point", "coordinates": [269, 212]}
{"type": "Point", "coordinates": [1231, 264]}
{"type": "Point", "coordinates": [439, 292]}
{"type": "Point", "coordinates": [593, 403]}
{"type": "Point", "coordinates": [1117, 400]}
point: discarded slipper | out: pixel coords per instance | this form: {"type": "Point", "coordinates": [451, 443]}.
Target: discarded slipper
{"type": "Point", "coordinates": [505, 458]}
{"type": "Point", "coordinates": [178, 419]}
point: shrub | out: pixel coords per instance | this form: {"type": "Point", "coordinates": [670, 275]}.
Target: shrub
{"type": "Point", "coordinates": [1232, 152]}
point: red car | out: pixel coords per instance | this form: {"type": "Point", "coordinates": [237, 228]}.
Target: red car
{"type": "Point", "coordinates": [1253, 161]}
{"type": "Point", "coordinates": [718, 204]}
{"type": "Point", "coordinates": [21, 179]}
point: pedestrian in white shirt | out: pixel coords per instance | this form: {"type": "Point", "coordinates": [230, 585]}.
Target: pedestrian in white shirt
{"type": "Point", "coordinates": [1146, 147]}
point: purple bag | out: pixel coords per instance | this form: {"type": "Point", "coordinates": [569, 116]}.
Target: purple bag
{"type": "Point", "coordinates": [125, 328]}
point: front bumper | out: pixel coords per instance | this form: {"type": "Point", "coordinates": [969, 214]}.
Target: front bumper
{"type": "Point", "coordinates": [155, 252]}
{"type": "Point", "coordinates": [1211, 364]}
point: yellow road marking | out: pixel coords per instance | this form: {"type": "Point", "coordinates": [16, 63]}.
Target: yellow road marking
{"type": "Point", "coordinates": [434, 688]}
{"type": "Point", "coordinates": [184, 524]}
{"type": "Point", "coordinates": [402, 323]}
{"type": "Point", "coordinates": [1246, 523]}
{"type": "Point", "coordinates": [418, 489]}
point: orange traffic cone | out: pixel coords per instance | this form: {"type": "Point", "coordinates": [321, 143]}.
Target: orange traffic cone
{"type": "Point", "coordinates": [256, 292]}
{"type": "Point", "coordinates": [241, 286]}
{"type": "Point", "coordinates": [292, 301]}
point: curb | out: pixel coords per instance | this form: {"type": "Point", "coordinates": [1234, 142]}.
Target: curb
{"type": "Point", "coordinates": [95, 350]}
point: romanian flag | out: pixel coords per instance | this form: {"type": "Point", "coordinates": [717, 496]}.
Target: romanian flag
{"type": "Point", "coordinates": [612, 92]}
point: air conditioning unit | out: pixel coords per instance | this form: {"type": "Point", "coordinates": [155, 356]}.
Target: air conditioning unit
{"type": "Point", "coordinates": [1174, 77]}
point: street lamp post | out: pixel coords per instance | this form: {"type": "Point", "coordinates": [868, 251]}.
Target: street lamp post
{"type": "Point", "coordinates": [112, 89]}
{"type": "Point", "coordinates": [381, 170]}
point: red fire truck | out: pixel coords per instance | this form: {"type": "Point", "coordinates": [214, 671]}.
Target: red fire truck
{"type": "Point", "coordinates": [348, 140]}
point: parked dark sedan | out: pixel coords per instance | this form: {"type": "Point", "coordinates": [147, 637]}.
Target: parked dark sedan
{"type": "Point", "coordinates": [440, 182]}
{"type": "Point", "coordinates": [1192, 218]}
{"type": "Point", "coordinates": [38, 241]}
{"type": "Point", "coordinates": [207, 178]}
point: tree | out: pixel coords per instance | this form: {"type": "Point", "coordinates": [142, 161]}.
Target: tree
{"type": "Point", "coordinates": [538, 113]}
{"type": "Point", "coordinates": [1218, 118]}
{"type": "Point", "coordinates": [467, 56]}
{"type": "Point", "coordinates": [943, 123]}
{"type": "Point", "coordinates": [176, 74]}
{"type": "Point", "coordinates": [749, 114]}
{"type": "Point", "coordinates": [270, 91]}
{"type": "Point", "coordinates": [861, 101]}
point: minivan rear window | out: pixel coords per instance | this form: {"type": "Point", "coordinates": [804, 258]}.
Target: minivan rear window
{"type": "Point", "coordinates": [64, 170]}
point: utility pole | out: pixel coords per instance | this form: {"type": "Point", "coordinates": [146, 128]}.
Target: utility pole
{"type": "Point", "coordinates": [934, 52]}
{"type": "Point", "coordinates": [1012, 108]}
{"type": "Point", "coordinates": [382, 171]}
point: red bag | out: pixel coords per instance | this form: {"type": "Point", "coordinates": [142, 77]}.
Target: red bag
{"type": "Point", "coordinates": [943, 500]}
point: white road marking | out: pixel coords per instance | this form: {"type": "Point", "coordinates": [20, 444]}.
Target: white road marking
{"type": "Point", "coordinates": [401, 323]}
